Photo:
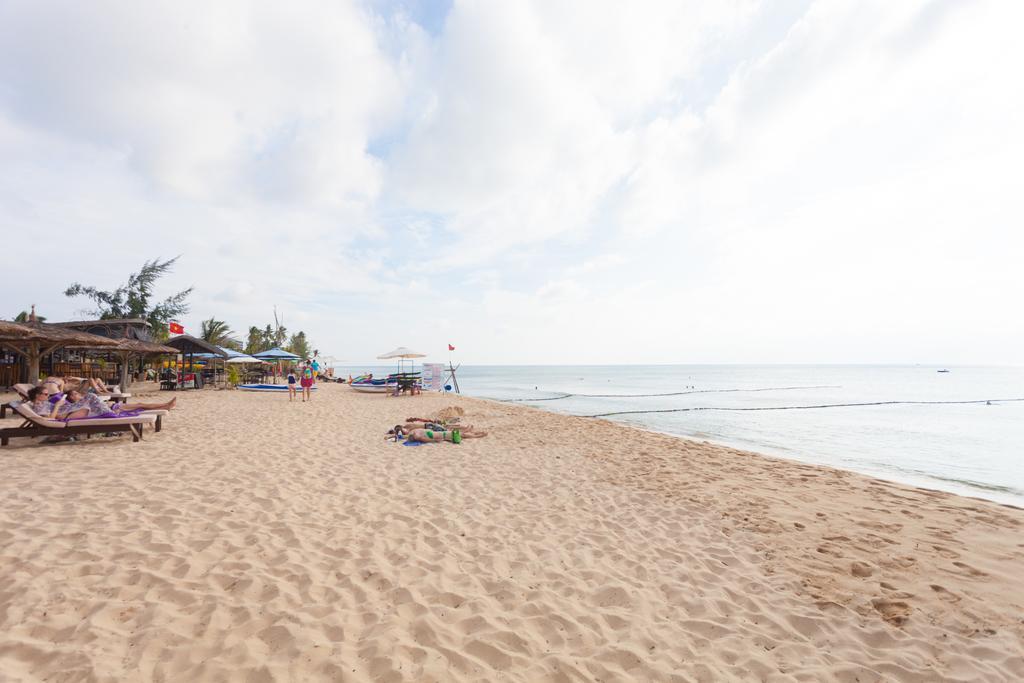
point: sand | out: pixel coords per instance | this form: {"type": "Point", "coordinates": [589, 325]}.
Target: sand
{"type": "Point", "coordinates": [257, 540]}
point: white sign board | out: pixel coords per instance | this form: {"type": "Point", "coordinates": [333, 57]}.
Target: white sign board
{"type": "Point", "coordinates": [433, 376]}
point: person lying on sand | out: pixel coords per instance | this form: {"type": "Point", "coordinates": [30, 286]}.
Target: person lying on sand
{"type": "Point", "coordinates": [454, 435]}
{"type": "Point", "coordinates": [403, 430]}
{"type": "Point", "coordinates": [78, 405]}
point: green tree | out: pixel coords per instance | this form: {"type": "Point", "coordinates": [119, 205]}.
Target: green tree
{"type": "Point", "coordinates": [23, 317]}
{"type": "Point", "coordinates": [299, 345]}
{"type": "Point", "coordinates": [280, 332]}
{"type": "Point", "coordinates": [254, 344]}
{"type": "Point", "coordinates": [132, 300]}
{"type": "Point", "coordinates": [217, 332]}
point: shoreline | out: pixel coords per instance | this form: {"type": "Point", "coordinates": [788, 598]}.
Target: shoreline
{"type": "Point", "coordinates": [257, 538]}
{"type": "Point", "coordinates": [755, 450]}
{"type": "Point", "coordinates": [1010, 497]}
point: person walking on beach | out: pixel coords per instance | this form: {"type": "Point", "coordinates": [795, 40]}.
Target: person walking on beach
{"type": "Point", "coordinates": [292, 381]}
{"type": "Point", "coordinates": [307, 383]}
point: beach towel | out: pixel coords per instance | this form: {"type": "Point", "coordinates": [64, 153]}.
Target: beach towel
{"type": "Point", "coordinates": [108, 414]}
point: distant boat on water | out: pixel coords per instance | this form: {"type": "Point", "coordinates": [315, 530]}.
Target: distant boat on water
{"type": "Point", "coordinates": [943, 370]}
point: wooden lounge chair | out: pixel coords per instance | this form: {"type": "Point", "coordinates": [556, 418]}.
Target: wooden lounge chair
{"type": "Point", "coordinates": [34, 425]}
{"type": "Point", "coordinates": [22, 391]}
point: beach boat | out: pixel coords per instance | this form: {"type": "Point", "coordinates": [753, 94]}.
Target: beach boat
{"type": "Point", "coordinates": [268, 387]}
{"type": "Point", "coordinates": [373, 386]}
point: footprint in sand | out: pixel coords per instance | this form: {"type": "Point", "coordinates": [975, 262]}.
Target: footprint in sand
{"type": "Point", "coordinates": [892, 528]}
{"type": "Point", "coordinates": [968, 569]}
{"type": "Point", "coordinates": [895, 612]}
{"type": "Point", "coordinates": [945, 594]}
{"type": "Point", "coordinates": [861, 569]}
{"type": "Point", "coordinates": [946, 552]}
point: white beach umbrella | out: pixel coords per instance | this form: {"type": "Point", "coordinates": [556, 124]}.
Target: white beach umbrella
{"type": "Point", "coordinates": [243, 359]}
{"type": "Point", "coordinates": [402, 353]}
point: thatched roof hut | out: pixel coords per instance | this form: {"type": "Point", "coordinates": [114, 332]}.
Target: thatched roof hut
{"type": "Point", "coordinates": [184, 343]}
{"type": "Point", "coordinates": [126, 349]}
{"type": "Point", "coordinates": [33, 340]}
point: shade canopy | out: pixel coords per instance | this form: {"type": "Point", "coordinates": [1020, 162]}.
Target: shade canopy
{"type": "Point", "coordinates": [131, 346]}
{"type": "Point", "coordinates": [275, 354]}
{"type": "Point", "coordinates": [47, 335]}
{"type": "Point", "coordinates": [402, 352]}
{"type": "Point", "coordinates": [231, 352]}
{"type": "Point", "coordinates": [184, 343]}
{"type": "Point", "coordinates": [142, 347]}
{"type": "Point", "coordinates": [244, 359]}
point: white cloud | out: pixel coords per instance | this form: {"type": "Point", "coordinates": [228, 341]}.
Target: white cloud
{"type": "Point", "coordinates": [652, 182]}
{"type": "Point", "coordinates": [208, 102]}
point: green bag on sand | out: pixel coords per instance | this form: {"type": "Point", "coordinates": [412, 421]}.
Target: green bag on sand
{"type": "Point", "coordinates": [456, 436]}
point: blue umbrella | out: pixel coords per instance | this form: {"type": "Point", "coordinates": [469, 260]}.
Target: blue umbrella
{"type": "Point", "coordinates": [276, 354]}
{"type": "Point", "coordinates": [231, 352]}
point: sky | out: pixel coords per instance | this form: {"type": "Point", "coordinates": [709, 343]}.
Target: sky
{"type": "Point", "coordinates": [790, 181]}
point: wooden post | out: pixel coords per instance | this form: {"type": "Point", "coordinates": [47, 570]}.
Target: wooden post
{"type": "Point", "coordinates": [125, 375]}
{"type": "Point", "coordinates": [33, 355]}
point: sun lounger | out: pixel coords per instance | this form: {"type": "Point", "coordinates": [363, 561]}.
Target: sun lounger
{"type": "Point", "coordinates": [159, 415]}
{"type": "Point", "coordinates": [34, 425]}
{"type": "Point", "coordinates": [22, 391]}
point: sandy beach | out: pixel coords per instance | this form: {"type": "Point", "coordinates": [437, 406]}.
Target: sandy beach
{"type": "Point", "coordinates": [257, 540]}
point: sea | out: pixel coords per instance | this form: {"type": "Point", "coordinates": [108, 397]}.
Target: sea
{"type": "Point", "coordinates": [960, 431]}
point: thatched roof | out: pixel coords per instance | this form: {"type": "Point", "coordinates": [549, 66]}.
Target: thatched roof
{"type": "Point", "coordinates": [115, 328]}
{"type": "Point", "coordinates": [136, 346]}
{"type": "Point", "coordinates": [44, 333]}
{"type": "Point", "coordinates": [184, 343]}
{"type": "Point", "coordinates": [14, 331]}
{"type": "Point", "coordinates": [133, 346]}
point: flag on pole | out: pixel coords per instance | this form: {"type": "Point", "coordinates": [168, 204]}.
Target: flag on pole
{"type": "Point", "coordinates": [451, 348]}
{"type": "Point", "coordinates": [175, 328]}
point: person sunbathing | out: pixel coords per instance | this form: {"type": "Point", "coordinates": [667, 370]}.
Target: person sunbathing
{"type": "Point", "coordinates": [404, 429]}
{"type": "Point", "coordinates": [55, 384]}
{"type": "Point", "coordinates": [455, 435]}
{"type": "Point", "coordinates": [39, 401]}
{"type": "Point", "coordinates": [92, 385]}
{"type": "Point", "coordinates": [78, 405]}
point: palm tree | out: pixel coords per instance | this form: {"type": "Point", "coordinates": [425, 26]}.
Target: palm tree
{"type": "Point", "coordinates": [254, 344]}
{"type": "Point", "coordinates": [217, 332]}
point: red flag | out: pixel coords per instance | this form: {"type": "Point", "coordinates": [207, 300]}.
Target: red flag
{"type": "Point", "coordinates": [451, 348]}
{"type": "Point", "coordinates": [175, 328]}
